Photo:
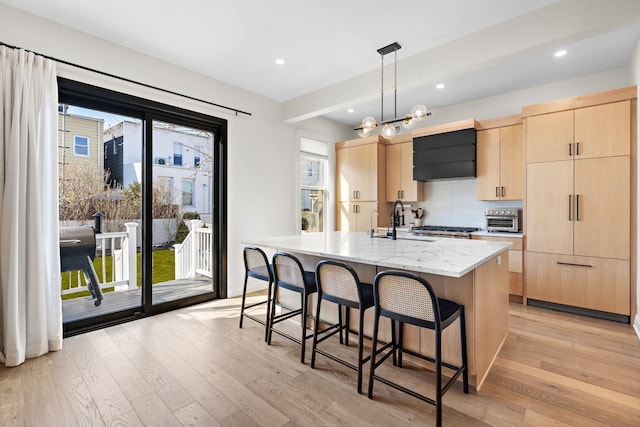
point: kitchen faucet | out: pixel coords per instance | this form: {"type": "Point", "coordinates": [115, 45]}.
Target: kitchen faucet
{"type": "Point", "coordinates": [394, 217]}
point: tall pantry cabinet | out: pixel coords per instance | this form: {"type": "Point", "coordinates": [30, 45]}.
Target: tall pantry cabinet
{"type": "Point", "coordinates": [360, 183]}
{"type": "Point", "coordinates": [578, 203]}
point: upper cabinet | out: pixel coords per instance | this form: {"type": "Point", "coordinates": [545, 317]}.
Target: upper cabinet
{"type": "Point", "coordinates": [584, 133]}
{"type": "Point", "coordinates": [399, 171]}
{"type": "Point", "coordinates": [360, 183]}
{"type": "Point", "coordinates": [500, 163]}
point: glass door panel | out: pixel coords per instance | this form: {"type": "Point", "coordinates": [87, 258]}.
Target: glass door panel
{"type": "Point", "coordinates": [182, 211]}
{"type": "Point", "coordinates": [100, 157]}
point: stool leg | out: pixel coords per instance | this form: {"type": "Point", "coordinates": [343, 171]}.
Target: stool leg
{"type": "Point", "coordinates": [438, 358]}
{"type": "Point", "coordinates": [272, 314]}
{"type": "Point", "coordinates": [316, 326]}
{"type": "Point", "coordinates": [244, 295]}
{"type": "Point", "coordinates": [360, 345]}
{"type": "Point", "coordinates": [340, 323]}
{"type": "Point", "coordinates": [400, 342]}
{"type": "Point", "coordinates": [303, 322]}
{"type": "Point", "coordinates": [463, 338]}
{"type": "Point", "coordinates": [268, 318]}
{"type": "Point", "coordinates": [374, 345]}
{"type": "Point", "coordinates": [347, 325]}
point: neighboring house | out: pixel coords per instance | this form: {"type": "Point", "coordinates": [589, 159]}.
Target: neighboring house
{"type": "Point", "coordinates": [182, 161]}
{"type": "Point", "coordinates": [79, 141]}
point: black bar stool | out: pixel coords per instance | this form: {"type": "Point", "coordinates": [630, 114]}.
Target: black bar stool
{"type": "Point", "coordinates": [256, 265]}
{"type": "Point", "coordinates": [289, 274]}
{"type": "Point", "coordinates": [408, 298]}
{"type": "Point", "coordinates": [339, 283]}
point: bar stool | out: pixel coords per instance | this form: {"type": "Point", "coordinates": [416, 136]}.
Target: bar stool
{"type": "Point", "coordinates": [408, 298]}
{"type": "Point", "coordinates": [339, 283]}
{"type": "Point", "coordinates": [289, 274]}
{"type": "Point", "coordinates": [256, 265]}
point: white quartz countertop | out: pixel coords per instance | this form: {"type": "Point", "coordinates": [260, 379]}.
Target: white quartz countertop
{"type": "Point", "coordinates": [433, 255]}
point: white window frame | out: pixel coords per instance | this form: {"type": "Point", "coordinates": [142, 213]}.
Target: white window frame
{"type": "Point", "coordinates": [312, 147]}
{"type": "Point", "coordinates": [75, 144]}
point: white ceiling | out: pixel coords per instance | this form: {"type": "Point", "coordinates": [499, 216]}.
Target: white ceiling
{"type": "Point", "coordinates": [477, 48]}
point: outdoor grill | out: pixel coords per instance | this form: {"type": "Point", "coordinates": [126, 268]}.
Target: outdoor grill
{"type": "Point", "coordinates": [77, 251]}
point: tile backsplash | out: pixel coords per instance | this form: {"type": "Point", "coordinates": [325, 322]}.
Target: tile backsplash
{"type": "Point", "coordinates": [453, 202]}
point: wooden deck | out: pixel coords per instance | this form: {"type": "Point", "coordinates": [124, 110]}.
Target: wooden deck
{"type": "Point", "coordinates": [84, 308]}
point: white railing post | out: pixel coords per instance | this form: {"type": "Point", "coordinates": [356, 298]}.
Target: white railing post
{"type": "Point", "coordinates": [129, 249]}
{"type": "Point", "coordinates": [194, 224]}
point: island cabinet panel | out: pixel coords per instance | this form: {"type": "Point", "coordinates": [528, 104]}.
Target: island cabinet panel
{"type": "Point", "coordinates": [515, 264]}
{"type": "Point", "coordinates": [579, 206]}
{"type": "Point", "coordinates": [600, 284]}
{"type": "Point", "coordinates": [399, 172]}
{"type": "Point", "coordinates": [360, 183]}
{"type": "Point", "coordinates": [500, 163]}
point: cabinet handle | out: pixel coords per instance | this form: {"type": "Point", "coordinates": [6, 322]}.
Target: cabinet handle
{"type": "Point", "coordinates": [577, 148]}
{"type": "Point", "coordinates": [497, 193]}
{"type": "Point", "coordinates": [502, 191]}
{"type": "Point", "coordinates": [570, 207]}
{"type": "Point", "coordinates": [577, 207]}
{"type": "Point", "coordinates": [574, 264]}
{"type": "Point", "coordinates": [402, 194]}
{"type": "Point", "coordinates": [399, 194]}
{"type": "Point", "coordinates": [570, 152]}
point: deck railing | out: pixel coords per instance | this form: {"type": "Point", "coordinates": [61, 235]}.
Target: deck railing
{"type": "Point", "coordinates": [122, 247]}
{"type": "Point", "coordinates": [194, 255]}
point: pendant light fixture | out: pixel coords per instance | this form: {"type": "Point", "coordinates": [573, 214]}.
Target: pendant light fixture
{"type": "Point", "coordinates": [418, 112]}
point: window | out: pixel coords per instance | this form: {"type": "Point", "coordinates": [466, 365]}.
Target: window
{"type": "Point", "coordinates": [187, 192]}
{"type": "Point", "coordinates": [81, 146]}
{"type": "Point", "coordinates": [313, 183]}
{"type": "Point", "coordinates": [196, 155]}
{"type": "Point", "coordinates": [177, 154]}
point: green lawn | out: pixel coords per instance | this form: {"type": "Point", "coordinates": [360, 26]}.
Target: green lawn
{"type": "Point", "coordinates": [163, 271]}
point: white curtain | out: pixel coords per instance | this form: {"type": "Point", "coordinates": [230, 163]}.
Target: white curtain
{"type": "Point", "coordinates": [30, 306]}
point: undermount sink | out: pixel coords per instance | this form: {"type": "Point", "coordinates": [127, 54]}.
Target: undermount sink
{"type": "Point", "coordinates": [382, 236]}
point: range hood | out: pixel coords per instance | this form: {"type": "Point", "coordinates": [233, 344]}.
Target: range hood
{"type": "Point", "coordinates": [445, 152]}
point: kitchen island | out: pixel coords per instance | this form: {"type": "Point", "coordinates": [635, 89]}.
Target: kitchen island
{"type": "Point", "coordinates": [470, 272]}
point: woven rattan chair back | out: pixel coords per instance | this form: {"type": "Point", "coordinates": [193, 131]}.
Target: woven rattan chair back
{"type": "Point", "coordinates": [288, 270]}
{"type": "Point", "coordinates": [407, 296]}
{"type": "Point", "coordinates": [256, 262]}
{"type": "Point", "coordinates": [337, 280]}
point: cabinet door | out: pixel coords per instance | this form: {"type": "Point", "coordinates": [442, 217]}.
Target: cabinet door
{"type": "Point", "coordinates": [366, 163]}
{"type": "Point", "coordinates": [511, 163]}
{"type": "Point", "coordinates": [411, 190]}
{"type": "Point", "coordinates": [603, 207]}
{"type": "Point", "coordinates": [603, 130]}
{"type": "Point", "coordinates": [549, 137]}
{"type": "Point", "coordinates": [346, 174]}
{"type": "Point", "coordinates": [394, 171]}
{"type": "Point", "coordinates": [488, 164]}
{"type": "Point", "coordinates": [593, 283]}
{"type": "Point", "coordinates": [550, 203]}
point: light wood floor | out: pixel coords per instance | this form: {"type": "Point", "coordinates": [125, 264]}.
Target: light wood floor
{"type": "Point", "coordinates": [196, 367]}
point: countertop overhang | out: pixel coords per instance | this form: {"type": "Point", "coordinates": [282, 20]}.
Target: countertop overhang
{"type": "Point", "coordinates": [432, 255]}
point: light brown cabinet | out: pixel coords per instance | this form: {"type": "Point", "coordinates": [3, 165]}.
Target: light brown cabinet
{"type": "Point", "coordinates": [360, 183]}
{"type": "Point", "coordinates": [578, 207]}
{"type": "Point", "coordinates": [589, 132]}
{"type": "Point", "coordinates": [500, 163]}
{"type": "Point", "coordinates": [399, 172]}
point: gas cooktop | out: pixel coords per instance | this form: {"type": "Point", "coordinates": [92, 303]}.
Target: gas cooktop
{"type": "Point", "coordinates": [443, 230]}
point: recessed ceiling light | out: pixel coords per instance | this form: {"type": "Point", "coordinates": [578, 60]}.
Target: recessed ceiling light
{"type": "Point", "coordinates": [350, 110]}
{"type": "Point", "coordinates": [280, 61]}
{"type": "Point", "coordinates": [440, 86]}
{"type": "Point", "coordinates": [560, 53]}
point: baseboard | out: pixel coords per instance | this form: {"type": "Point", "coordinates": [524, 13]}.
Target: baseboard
{"type": "Point", "coordinates": [636, 325]}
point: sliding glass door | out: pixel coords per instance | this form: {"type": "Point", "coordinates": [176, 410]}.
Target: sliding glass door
{"type": "Point", "coordinates": [145, 183]}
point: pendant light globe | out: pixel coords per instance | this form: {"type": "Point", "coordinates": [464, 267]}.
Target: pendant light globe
{"type": "Point", "coordinates": [419, 112]}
